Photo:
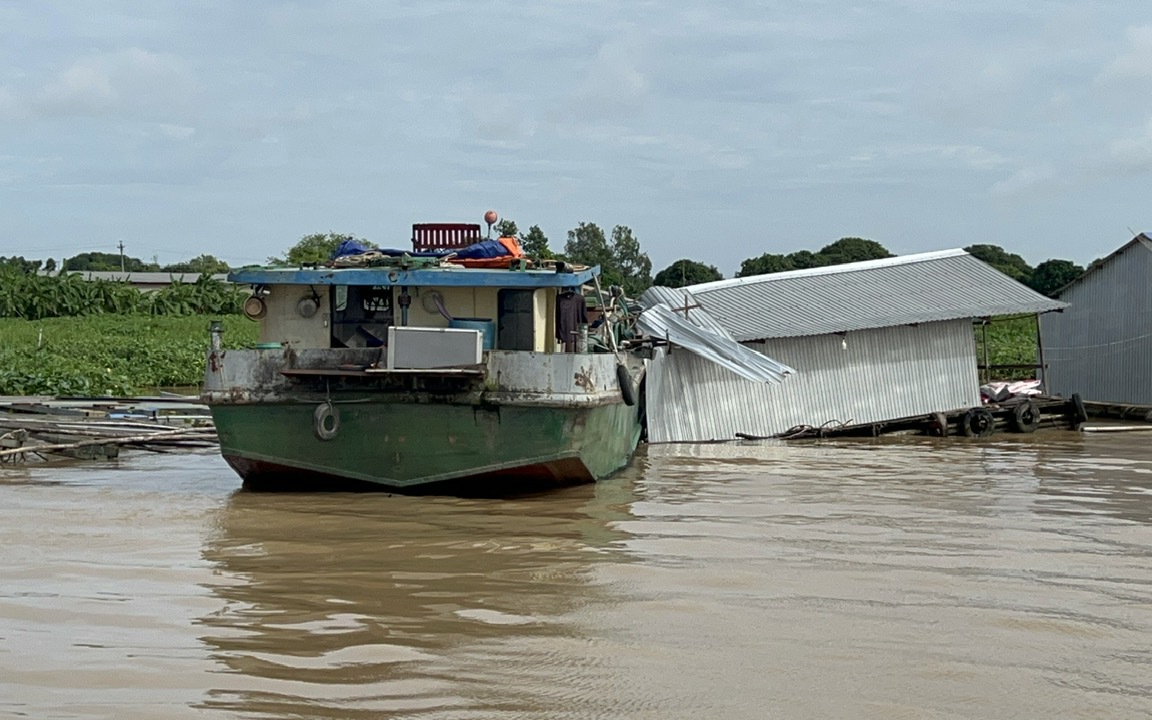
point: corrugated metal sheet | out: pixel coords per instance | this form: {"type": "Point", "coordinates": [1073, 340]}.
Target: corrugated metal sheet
{"type": "Point", "coordinates": [905, 290]}
{"type": "Point", "coordinates": [662, 322]}
{"type": "Point", "coordinates": [866, 376]}
{"type": "Point", "coordinates": [1101, 346]}
{"type": "Point", "coordinates": [684, 304]}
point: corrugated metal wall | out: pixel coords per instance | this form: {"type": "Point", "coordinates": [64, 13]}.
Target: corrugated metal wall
{"type": "Point", "coordinates": [1101, 346]}
{"type": "Point", "coordinates": [866, 376]}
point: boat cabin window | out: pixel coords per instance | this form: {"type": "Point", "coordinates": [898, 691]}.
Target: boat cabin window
{"type": "Point", "coordinates": [361, 315]}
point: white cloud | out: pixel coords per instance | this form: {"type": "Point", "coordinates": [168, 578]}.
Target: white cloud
{"type": "Point", "coordinates": [1134, 153]}
{"type": "Point", "coordinates": [105, 82]}
{"type": "Point", "coordinates": [614, 84]}
{"type": "Point", "coordinates": [1024, 180]}
{"type": "Point", "coordinates": [1136, 61]}
{"type": "Point", "coordinates": [81, 89]}
{"type": "Point", "coordinates": [9, 105]}
{"type": "Point", "coordinates": [176, 132]}
{"type": "Point", "coordinates": [972, 156]}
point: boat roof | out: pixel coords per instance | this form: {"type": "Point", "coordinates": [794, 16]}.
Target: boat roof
{"type": "Point", "coordinates": [417, 277]}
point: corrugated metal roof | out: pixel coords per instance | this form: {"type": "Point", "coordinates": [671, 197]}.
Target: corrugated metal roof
{"type": "Point", "coordinates": [660, 321]}
{"type": "Point", "coordinates": [905, 290]}
{"type": "Point", "coordinates": [1140, 240]}
{"type": "Point", "coordinates": [684, 304]}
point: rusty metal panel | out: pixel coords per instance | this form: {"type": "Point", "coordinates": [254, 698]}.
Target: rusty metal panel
{"type": "Point", "coordinates": [905, 290]}
{"type": "Point", "coordinates": [865, 376]}
{"type": "Point", "coordinates": [444, 236]}
{"type": "Point", "coordinates": [1101, 346]}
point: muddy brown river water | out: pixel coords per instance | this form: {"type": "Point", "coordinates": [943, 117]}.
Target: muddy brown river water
{"type": "Point", "coordinates": [902, 579]}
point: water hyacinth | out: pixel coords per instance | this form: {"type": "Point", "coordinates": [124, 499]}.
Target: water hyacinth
{"type": "Point", "coordinates": [109, 354]}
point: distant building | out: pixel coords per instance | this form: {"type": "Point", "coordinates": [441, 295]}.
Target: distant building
{"type": "Point", "coordinates": [870, 341]}
{"type": "Point", "coordinates": [1101, 346]}
{"type": "Point", "coordinates": [144, 281]}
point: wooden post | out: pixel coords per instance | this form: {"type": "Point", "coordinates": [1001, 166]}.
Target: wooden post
{"type": "Point", "coordinates": [984, 341]}
{"type": "Point", "coordinates": [1040, 349]}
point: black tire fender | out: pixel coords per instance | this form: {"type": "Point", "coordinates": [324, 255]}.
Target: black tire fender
{"type": "Point", "coordinates": [1025, 417]}
{"type": "Point", "coordinates": [326, 421]}
{"type": "Point", "coordinates": [977, 422]}
{"type": "Point", "coordinates": [627, 388]}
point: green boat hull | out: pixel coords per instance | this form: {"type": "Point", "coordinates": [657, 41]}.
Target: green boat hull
{"type": "Point", "coordinates": [418, 447]}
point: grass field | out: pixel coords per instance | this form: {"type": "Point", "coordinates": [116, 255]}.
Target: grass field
{"type": "Point", "coordinates": [109, 354]}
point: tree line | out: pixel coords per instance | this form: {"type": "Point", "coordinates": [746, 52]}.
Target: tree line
{"type": "Point", "coordinates": [112, 262]}
{"type": "Point", "coordinates": [618, 253]}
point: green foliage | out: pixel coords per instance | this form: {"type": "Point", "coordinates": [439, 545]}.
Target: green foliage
{"type": "Point", "coordinates": [506, 228]}
{"type": "Point", "coordinates": [1011, 341]}
{"type": "Point", "coordinates": [317, 248]}
{"type": "Point", "coordinates": [109, 354]}
{"type": "Point", "coordinates": [844, 250]}
{"type": "Point", "coordinates": [1051, 275]}
{"type": "Point", "coordinates": [631, 265]}
{"type": "Point", "coordinates": [34, 297]}
{"type": "Point", "coordinates": [686, 272]}
{"type": "Point", "coordinates": [107, 262]}
{"type": "Point", "coordinates": [621, 261]}
{"type": "Point", "coordinates": [850, 249]}
{"type": "Point", "coordinates": [588, 244]}
{"type": "Point", "coordinates": [535, 244]}
{"type": "Point", "coordinates": [1008, 263]}
{"type": "Point", "coordinates": [20, 265]}
{"type": "Point", "coordinates": [199, 264]}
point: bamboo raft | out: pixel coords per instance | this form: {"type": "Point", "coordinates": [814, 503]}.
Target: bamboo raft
{"type": "Point", "coordinates": [40, 429]}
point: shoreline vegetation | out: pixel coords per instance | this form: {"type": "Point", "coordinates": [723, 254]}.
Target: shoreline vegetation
{"type": "Point", "coordinates": [110, 355]}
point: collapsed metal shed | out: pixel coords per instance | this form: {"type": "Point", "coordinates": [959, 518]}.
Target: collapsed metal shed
{"type": "Point", "coordinates": [1101, 346]}
{"type": "Point", "coordinates": [869, 342]}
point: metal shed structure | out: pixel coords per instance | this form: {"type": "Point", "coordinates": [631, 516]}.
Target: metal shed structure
{"type": "Point", "coordinates": [1101, 346]}
{"type": "Point", "coordinates": [870, 341]}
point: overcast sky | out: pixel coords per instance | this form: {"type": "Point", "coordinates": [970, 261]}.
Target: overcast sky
{"type": "Point", "coordinates": [716, 131]}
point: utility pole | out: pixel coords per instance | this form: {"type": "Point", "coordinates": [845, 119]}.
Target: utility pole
{"type": "Point", "coordinates": [121, 246]}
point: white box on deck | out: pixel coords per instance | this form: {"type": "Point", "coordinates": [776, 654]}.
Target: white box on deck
{"type": "Point", "coordinates": [421, 347]}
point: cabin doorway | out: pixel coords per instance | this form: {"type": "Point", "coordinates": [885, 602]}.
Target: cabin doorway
{"type": "Point", "coordinates": [516, 321]}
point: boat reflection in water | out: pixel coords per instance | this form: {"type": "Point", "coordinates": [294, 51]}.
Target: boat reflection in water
{"type": "Point", "coordinates": [339, 608]}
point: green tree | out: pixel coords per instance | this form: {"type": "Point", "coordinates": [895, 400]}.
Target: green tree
{"type": "Point", "coordinates": [766, 264]}
{"type": "Point", "coordinates": [804, 259]}
{"type": "Point", "coordinates": [851, 249]}
{"type": "Point", "coordinates": [844, 250]}
{"type": "Point", "coordinates": [535, 244]}
{"type": "Point", "coordinates": [630, 264]}
{"type": "Point", "coordinates": [314, 249]}
{"type": "Point", "coordinates": [1051, 275]}
{"type": "Point", "coordinates": [1008, 263]}
{"type": "Point", "coordinates": [587, 244]}
{"type": "Point", "coordinates": [506, 228]}
{"type": "Point", "coordinates": [199, 264]}
{"type": "Point", "coordinates": [107, 262]}
{"type": "Point", "coordinates": [686, 272]}
{"type": "Point", "coordinates": [50, 265]}
{"type": "Point", "coordinates": [20, 265]}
